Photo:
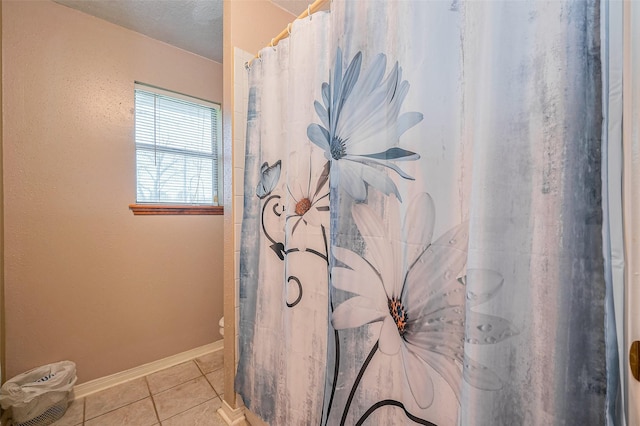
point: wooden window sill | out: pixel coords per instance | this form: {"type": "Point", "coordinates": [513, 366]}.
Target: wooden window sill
{"type": "Point", "coordinates": [175, 209]}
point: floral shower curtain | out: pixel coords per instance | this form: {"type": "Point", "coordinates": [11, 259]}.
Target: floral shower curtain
{"type": "Point", "coordinates": [422, 229]}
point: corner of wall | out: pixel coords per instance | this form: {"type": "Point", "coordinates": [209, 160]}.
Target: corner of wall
{"type": "Point", "coordinates": [2, 319]}
{"type": "Point", "coordinates": [229, 251]}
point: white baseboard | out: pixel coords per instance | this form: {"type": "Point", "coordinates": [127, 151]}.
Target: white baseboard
{"type": "Point", "coordinates": [102, 383]}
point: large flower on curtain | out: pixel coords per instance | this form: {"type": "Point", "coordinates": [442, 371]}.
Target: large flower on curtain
{"type": "Point", "coordinates": [362, 124]}
{"type": "Point", "coordinates": [417, 290]}
{"type": "Point", "coordinates": [308, 203]}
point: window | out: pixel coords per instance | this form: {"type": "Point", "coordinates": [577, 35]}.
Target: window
{"type": "Point", "coordinates": [177, 163]}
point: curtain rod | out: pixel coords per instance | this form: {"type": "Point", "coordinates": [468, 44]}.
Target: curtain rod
{"type": "Point", "coordinates": [312, 8]}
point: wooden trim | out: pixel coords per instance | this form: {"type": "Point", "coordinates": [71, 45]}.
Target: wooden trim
{"type": "Point", "coordinates": [175, 209]}
{"type": "Point", "coordinates": [232, 416]}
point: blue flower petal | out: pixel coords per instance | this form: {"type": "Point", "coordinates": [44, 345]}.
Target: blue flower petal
{"type": "Point", "coordinates": [374, 75]}
{"type": "Point", "coordinates": [407, 121]}
{"type": "Point", "coordinates": [337, 76]}
{"type": "Point", "coordinates": [385, 163]}
{"type": "Point", "coordinates": [319, 136]}
{"type": "Point", "coordinates": [350, 179]}
{"type": "Point", "coordinates": [322, 113]}
{"type": "Point", "coordinates": [381, 181]}
{"type": "Point", "coordinates": [350, 78]}
{"type": "Point", "coordinates": [325, 95]}
{"type": "Point", "coordinates": [394, 154]}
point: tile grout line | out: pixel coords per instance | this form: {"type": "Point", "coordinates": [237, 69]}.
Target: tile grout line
{"type": "Point", "coordinates": [184, 411]}
{"type": "Point", "coordinates": [198, 365]}
{"type": "Point", "coordinates": [151, 395]}
{"type": "Point", "coordinates": [180, 384]}
{"type": "Point", "coordinates": [191, 380]}
{"type": "Point", "coordinates": [211, 384]}
{"type": "Point", "coordinates": [191, 408]}
{"type": "Point", "coordinates": [153, 401]}
{"type": "Point", "coordinates": [174, 386]}
{"type": "Point", "coordinates": [111, 411]}
{"type": "Point", "coordinates": [215, 392]}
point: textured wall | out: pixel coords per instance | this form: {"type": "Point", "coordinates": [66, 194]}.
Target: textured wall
{"type": "Point", "coordinates": [85, 280]}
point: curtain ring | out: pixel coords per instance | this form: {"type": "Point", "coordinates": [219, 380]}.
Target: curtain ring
{"type": "Point", "coordinates": [309, 11]}
{"type": "Point", "coordinates": [260, 56]}
{"type": "Point", "coordinates": [289, 28]}
{"type": "Point", "coordinates": [272, 46]}
{"type": "Point", "coordinates": [247, 66]}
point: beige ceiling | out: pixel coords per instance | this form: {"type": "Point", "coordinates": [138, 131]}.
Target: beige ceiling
{"type": "Point", "coordinates": [192, 25]}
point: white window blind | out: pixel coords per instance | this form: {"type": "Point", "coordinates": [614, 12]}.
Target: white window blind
{"type": "Point", "coordinates": [177, 140]}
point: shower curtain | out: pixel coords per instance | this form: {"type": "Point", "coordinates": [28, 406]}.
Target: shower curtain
{"type": "Point", "coordinates": [422, 236]}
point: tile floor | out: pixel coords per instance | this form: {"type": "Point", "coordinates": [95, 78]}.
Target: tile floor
{"type": "Point", "coordinates": [187, 394]}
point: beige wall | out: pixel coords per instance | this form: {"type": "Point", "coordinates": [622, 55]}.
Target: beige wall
{"type": "Point", "coordinates": [255, 22]}
{"type": "Point", "coordinates": [85, 280]}
{"type": "Point", "coordinates": [249, 25]}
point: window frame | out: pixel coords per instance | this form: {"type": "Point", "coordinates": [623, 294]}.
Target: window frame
{"type": "Point", "coordinates": [160, 208]}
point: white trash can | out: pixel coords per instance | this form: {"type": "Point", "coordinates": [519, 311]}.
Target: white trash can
{"type": "Point", "coordinates": [40, 396]}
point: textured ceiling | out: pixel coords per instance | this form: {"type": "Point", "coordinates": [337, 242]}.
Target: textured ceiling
{"type": "Point", "coordinates": [192, 25]}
